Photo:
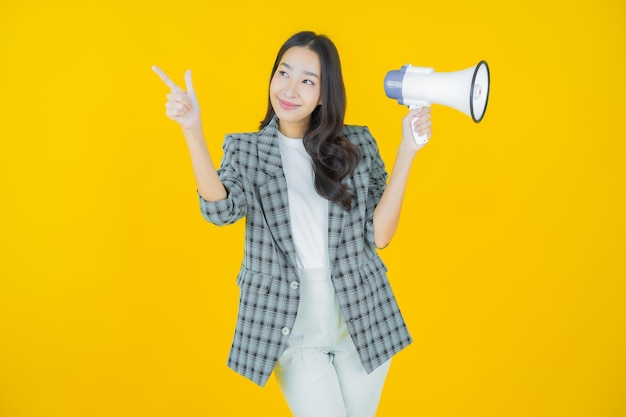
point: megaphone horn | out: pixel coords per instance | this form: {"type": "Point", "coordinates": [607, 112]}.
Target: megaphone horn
{"type": "Point", "coordinates": [466, 90]}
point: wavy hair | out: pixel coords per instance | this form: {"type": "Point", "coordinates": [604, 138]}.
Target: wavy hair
{"type": "Point", "coordinates": [334, 157]}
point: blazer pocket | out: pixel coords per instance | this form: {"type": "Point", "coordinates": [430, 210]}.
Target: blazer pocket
{"type": "Point", "coordinates": [373, 270]}
{"type": "Point", "coordinates": [254, 281]}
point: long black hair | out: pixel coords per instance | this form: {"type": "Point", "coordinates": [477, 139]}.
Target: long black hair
{"type": "Point", "coordinates": [334, 157]}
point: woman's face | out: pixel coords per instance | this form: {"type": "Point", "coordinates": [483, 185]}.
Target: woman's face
{"type": "Point", "coordinates": [295, 90]}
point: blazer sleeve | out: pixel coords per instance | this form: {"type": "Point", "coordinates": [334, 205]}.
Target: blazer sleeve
{"type": "Point", "coordinates": [376, 185]}
{"type": "Point", "coordinates": [234, 206]}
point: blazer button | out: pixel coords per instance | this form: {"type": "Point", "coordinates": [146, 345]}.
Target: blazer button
{"type": "Point", "coordinates": [294, 285]}
{"type": "Point", "coordinates": [285, 331]}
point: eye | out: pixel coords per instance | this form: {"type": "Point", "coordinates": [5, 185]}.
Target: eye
{"type": "Point", "coordinates": [308, 82]}
{"type": "Point", "coordinates": [283, 73]}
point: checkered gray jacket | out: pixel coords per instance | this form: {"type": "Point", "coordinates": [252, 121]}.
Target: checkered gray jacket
{"type": "Point", "coordinates": [251, 171]}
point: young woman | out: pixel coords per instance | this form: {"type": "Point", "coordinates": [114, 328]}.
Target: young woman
{"type": "Point", "coordinates": [316, 307]}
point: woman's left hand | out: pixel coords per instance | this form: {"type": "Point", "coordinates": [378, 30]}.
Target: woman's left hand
{"type": "Point", "coordinates": [421, 127]}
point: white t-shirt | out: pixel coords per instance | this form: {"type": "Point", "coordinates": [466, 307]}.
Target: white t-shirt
{"type": "Point", "coordinates": [307, 209]}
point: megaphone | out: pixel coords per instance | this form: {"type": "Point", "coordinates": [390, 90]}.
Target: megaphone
{"type": "Point", "coordinates": [466, 90]}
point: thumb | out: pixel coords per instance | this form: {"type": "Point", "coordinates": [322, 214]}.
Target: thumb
{"type": "Point", "coordinates": [191, 93]}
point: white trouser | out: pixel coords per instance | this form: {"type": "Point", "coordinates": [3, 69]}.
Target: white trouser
{"type": "Point", "coordinates": [320, 373]}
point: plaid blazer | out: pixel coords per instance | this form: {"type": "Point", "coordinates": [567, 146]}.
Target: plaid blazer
{"type": "Point", "coordinates": [251, 171]}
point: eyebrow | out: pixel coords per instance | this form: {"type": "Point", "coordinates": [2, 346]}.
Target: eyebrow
{"type": "Point", "coordinates": [290, 68]}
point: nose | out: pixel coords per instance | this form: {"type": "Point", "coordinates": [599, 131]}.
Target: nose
{"type": "Point", "coordinates": [291, 89]}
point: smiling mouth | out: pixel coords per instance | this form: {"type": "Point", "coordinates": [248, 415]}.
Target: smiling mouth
{"type": "Point", "coordinates": [287, 105]}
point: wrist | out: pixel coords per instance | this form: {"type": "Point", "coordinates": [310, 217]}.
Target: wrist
{"type": "Point", "coordinates": [407, 151]}
{"type": "Point", "coordinates": [193, 132]}
{"type": "Point", "coordinates": [195, 127]}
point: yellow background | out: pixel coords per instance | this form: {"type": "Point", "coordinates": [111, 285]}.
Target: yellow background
{"type": "Point", "coordinates": [117, 299]}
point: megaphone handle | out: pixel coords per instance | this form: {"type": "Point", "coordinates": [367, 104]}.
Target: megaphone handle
{"type": "Point", "coordinates": [419, 140]}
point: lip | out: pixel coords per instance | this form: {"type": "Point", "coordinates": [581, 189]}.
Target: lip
{"type": "Point", "coordinates": [287, 105]}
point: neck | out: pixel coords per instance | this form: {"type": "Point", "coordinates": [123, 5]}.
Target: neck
{"type": "Point", "coordinates": [293, 130]}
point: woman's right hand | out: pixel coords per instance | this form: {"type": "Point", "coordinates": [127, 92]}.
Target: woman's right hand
{"type": "Point", "coordinates": [181, 106]}
{"type": "Point", "coordinates": [416, 122]}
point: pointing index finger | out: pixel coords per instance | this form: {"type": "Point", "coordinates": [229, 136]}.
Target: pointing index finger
{"type": "Point", "coordinates": [165, 78]}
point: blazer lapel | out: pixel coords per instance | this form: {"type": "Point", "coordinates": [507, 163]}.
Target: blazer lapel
{"type": "Point", "coordinates": [336, 221]}
{"type": "Point", "coordinates": [337, 217]}
{"type": "Point", "coordinates": [275, 201]}
{"type": "Point", "coordinates": [273, 195]}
